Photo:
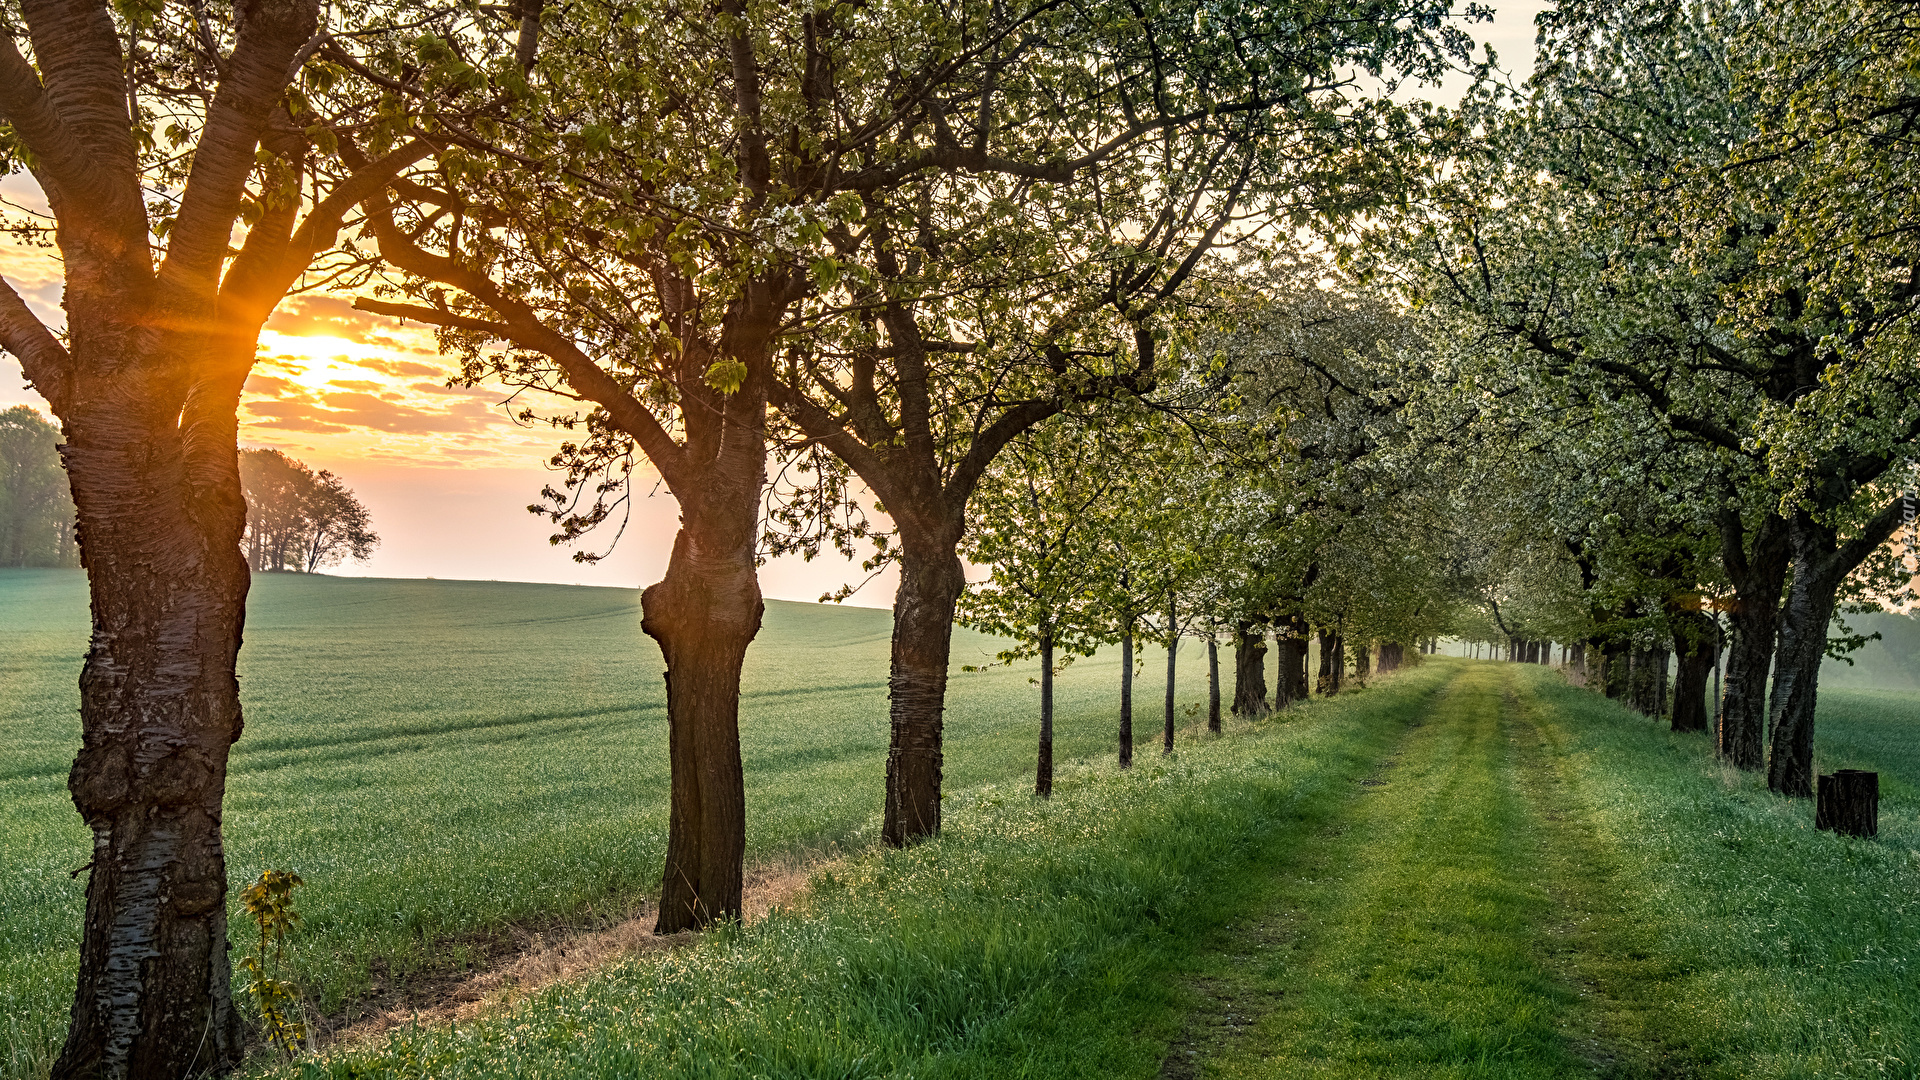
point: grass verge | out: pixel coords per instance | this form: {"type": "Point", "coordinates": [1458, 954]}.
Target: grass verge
{"type": "Point", "coordinates": [1032, 939]}
{"type": "Point", "coordinates": [1797, 952]}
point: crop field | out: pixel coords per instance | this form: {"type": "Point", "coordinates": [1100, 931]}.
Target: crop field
{"type": "Point", "coordinates": [439, 759]}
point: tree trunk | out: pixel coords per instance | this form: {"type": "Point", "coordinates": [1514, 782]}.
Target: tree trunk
{"type": "Point", "coordinates": [1849, 803]}
{"type": "Point", "coordinates": [1126, 695]}
{"type": "Point", "coordinates": [1693, 642]}
{"type": "Point", "coordinates": [1249, 672]}
{"type": "Point", "coordinates": [159, 708]}
{"type": "Point", "coordinates": [1173, 650]}
{"type": "Point", "coordinates": [1796, 671]}
{"type": "Point", "coordinates": [1758, 579]}
{"type": "Point", "coordinates": [1333, 662]}
{"type": "Point", "coordinates": [704, 613]}
{"type": "Point", "coordinates": [1577, 660]}
{"type": "Point", "coordinates": [1362, 662]}
{"type": "Point", "coordinates": [1614, 669]}
{"type": "Point", "coordinates": [1043, 767]}
{"type": "Point", "coordinates": [1213, 684]}
{"type": "Point", "coordinates": [1292, 677]}
{"type": "Point", "coordinates": [931, 580]}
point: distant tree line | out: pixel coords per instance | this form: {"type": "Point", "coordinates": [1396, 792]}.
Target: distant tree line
{"type": "Point", "coordinates": [36, 509]}
{"type": "Point", "coordinates": [298, 519]}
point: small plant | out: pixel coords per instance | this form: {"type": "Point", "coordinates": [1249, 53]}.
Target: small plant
{"type": "Point", "coordinates": [270, 902]}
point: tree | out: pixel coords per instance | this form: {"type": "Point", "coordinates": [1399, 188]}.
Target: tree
{"type": "Point", "coordinates": [155, 131]}
{"type": "Point", "coordinates": [298, 519]}
{"type": "Point", "coordinates": [36, 513]}
{"type": "Point", "coordinates": [1037, 523]}
{"type": "Point", "coordinates": [1613, 238]}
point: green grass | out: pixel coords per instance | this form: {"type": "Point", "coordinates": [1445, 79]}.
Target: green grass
{"type": "Point", "coordinates": [1032, 940]}
{"type": "Point", "coordinates": [439, 759]}
{"type": "Point", "coordinates": [1797, 952]}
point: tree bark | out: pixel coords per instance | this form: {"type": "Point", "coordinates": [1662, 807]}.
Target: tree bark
{"type": "Point", "coordinates": [1126, 695]}
{"type": "Point", "coordinates": [1292, 678]}
{"type": "Point", "coordinates": [1758, 577]}
{"type": "Point", "coordinates": [1249, 672]}
{"type": "Point", "coordinates": [1849, 803]}
{"type": "Point", "coordinates": [1693, 642]}
{"type": "Point", "coordinates": [1615, 669]}
{"type": "Point", "coordinates": [1173, 651]}
{"type": "Point", "coordinates": [1043, 766]}
{"type": "Point", "coordinates": [1362, 662]}
{"type": "Point", "coordinates": [1213, 685]}
{"type": "Point", "coordinates": [160, 707]}
{"type": "Point", "coordinates": [931, 580]}
{"type": "Point", "coordinates": [1333, 662]}
{"type": "Point", "coordinates": [704, 613]}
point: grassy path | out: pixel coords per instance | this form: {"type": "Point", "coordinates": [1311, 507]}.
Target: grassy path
{"type": "Point", "coordinates": [1461, 921]}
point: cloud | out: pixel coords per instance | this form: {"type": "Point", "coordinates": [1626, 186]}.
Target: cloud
{"type": "Point", "coordinates": [357, 384]}
{"type": "Point", "coordinates": [321, 316]}
{"type": "Point", "coordinates": [400, 367]}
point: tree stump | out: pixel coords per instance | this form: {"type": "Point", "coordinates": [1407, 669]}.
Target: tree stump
{"type": "Point", "coordinates": [1848, 803]}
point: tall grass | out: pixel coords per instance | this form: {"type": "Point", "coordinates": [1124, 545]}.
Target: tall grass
{"type": "Point", "coordinates": [1033, 938]}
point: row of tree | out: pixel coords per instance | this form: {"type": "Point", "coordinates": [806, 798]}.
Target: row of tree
{"type": "Point", "coordinates": [298, 519]}
{"type": "Point", "coordinates": [36, 513]}
{"type": "Point", "coordinates": [1021, 271]}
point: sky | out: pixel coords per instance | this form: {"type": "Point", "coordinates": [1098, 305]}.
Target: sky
{"type": "Point", "coordinates": [445, 473]}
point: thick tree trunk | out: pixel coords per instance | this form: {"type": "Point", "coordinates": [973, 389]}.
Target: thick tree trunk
{"type": "Point", "coordinates": [1213, 685]}
{"type": "Point", "coordinates": [1043, 767]}
{"type": "Point", "coordinates": [1362, 662]}
{"type": "Point", "coordinates": [704, 613]}
{"type": "Point", "coordinates": [1173, 651]}
{"type": "Point", "coordinates": [931, 580]}
{"type": "Point", "coordinates": [1694, 643]}
{"type": "Point", "coordinates": [1758, 578]}
{"type": "Point", "coordinates": [159, 708]}
{"type": "Point", "coordinates": [1249, 672]}
{"type": "Point", "coordinates": [1690, 690]}
{"type": "Point", "coordinates": [1614, 669]}
{"type": "Point", "coordinates": [1577, 660]}
{"type": "Point", "coordinates": [1126, 695]}
{"type": "Point", "coordinates": [1796, 668]}
{"type": "Point", "coordinates": [1292, 678]}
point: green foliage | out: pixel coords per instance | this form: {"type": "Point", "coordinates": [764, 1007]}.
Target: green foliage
{"type": "Point", "coordinates": [298, 519]}
{"type": "Point", "coordinates": [36, 510]}
{"type": "Point", "coordinates": [269, 903]}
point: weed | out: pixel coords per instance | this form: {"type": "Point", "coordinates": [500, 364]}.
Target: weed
{"type": "Point", "coordinates": [269, 901]}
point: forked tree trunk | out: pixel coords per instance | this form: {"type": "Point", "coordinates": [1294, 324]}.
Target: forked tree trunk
{"type": "Point", "coordinates": [1126, 695]}
{"type": "Point", "coordinates": [159, 707]}
{"type": "Point", "coordinates": [1213, 685]}
{"type": "Point", "coordinates": [1249, 672]}
{"type": "Point", "coordinates": [931, 580]}
{"type": "Point", "coordinates": [1758, 578]}
{"type": "Point", "coordinates": [1043, 766]}
{"type": "Point", "coordinates": [704, 613]}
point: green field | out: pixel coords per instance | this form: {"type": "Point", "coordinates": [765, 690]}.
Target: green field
{"type": "Point", "coordinates": [1470, 870]}
{"type": "Point", "coordinates": [441, 758]}
{"type": "Point", "coordinates": [1467, 870]}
